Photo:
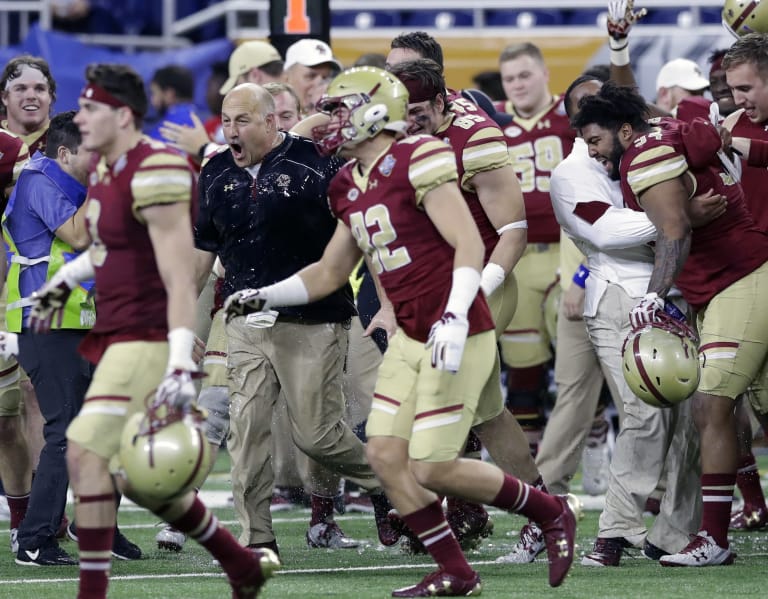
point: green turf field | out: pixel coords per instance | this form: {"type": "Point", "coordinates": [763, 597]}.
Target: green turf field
{"type": "Point", "coordinates": [373, 572]}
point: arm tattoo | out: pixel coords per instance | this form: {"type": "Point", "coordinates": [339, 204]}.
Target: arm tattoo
{"type": "Point", "coordinates": [671, 254]}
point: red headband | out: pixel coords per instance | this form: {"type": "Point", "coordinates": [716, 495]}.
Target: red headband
{"type": "Point", "coordinates": [98, 94]}
{"type": "Point", "coordinates": [417, 91]}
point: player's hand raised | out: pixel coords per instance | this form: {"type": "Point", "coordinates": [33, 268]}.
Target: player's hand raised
{"type": "Point", "coordinates": [447, 338]}
{"type": "Point", "coordinates": [621, 18]}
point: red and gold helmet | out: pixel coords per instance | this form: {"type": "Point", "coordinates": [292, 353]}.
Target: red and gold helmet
{"type": "Point", "coordinates": [741, 17]}
{"type": "Point", "coordinates": [362, 102]}
{"type": "Point", "coordinates": [661, 362]}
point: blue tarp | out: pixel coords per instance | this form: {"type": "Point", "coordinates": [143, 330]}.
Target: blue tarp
{"type": "Point", "coordinates": [68, 57]}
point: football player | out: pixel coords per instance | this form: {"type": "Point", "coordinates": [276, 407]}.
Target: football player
{"type": "Point", "coordinates": [142, 341]}
{"type": "Point", "coordinates": [15, 462]}
{"type": "Point", "coordinates": [746, 73]}
{"type": "Point", "coordinates": [397, 201]}
{"type": "Point", "coordinates": [653, 444]}
{"type": "Point", "coordinates": [660, 165]}
{"type": "Point", "coordinates": [538, 137]}
{"type": "Point", "coordinates": [489, 186]}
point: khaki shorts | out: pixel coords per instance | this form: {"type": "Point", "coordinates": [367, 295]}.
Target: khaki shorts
{"type": "Point", "coordinates": [525, 342]}
{"type": "Point", "coordinates": [126, 376]}
{"type": "Point", "coordinates": [502, 303]}
{"type": "Point", "coordinates": [432, 409]}
{"type": "Point", "coordinates": [734, 336]}
{"type": "Point", "coordinates": [10, 392]}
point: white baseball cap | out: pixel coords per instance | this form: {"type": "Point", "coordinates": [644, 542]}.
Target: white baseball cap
{"type": "Point", "coordinates": [248, 55]}
{"type": "Point", "coordinates": [681, 72]}
{"type": "Point", "coordinates": [310, 53]}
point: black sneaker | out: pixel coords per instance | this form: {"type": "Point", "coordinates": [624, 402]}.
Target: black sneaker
{"type": "Point", "coordinates": [49, 554]}
{"type": "Point", "coordinates": [653, 552]}
{"type": "Point", "coordinates": [122, 548]}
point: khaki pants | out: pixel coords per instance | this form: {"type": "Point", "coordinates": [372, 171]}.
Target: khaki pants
{"type": "Point", "coordinates": [579, 379]}
{"type": "Point", "coordinates": [649, 440]}
{"type": "Point", "coordinates": [305, 363]}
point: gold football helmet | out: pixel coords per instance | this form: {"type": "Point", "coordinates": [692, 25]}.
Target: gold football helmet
{"type": "Point", "coordinates": [362, 102]}
{"type": "Point", "coordinates": [741, 17]}
{"type": "Point", "coordinates": [164, 453]}
{"type": "Point", "coordinates": [661, 362]}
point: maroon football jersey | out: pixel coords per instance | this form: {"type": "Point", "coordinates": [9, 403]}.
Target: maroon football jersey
{"type": "Point", "coordinates": [478, 146]}
{"type": "Point", "coordinates": [13, 156]}
{"type": "Point", "coordinates": [131, 301]}
{"type": "Point", "coordinates": [382, 209]}
{"type": "Point", "coordinates": [537, 145]}
{"type": "Point", "coordinates": [754, 179]}
{"type": "Point", "coordinates": [722, 251]}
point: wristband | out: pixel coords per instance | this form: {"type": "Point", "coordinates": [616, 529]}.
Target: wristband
{"type": "Point", "coordinates": [580, 276]}
{"type": "Point", "coordinates": [492, 276]}
{"type": "Point", "coordinates": [619, 52]}
{"type": "Point", "coordinates": [79, 269]}
{"type": "Point", "coordinates": [466, 282]}
{"type": "Point", "coordinates": [180, 343]}
{"type": "Point", "coordinates": [288, 292]}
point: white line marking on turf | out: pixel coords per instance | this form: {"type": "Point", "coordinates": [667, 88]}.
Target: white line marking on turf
{"type": "Point", "coordinates": [281, 572]}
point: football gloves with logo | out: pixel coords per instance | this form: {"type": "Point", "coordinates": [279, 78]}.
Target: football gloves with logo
{"type": "Point", "coordinates": [646, 311]}
{"type": "Point", "coordinates": [9, 345]}
{"type": "Point", "coordinates": [48, 304]}
{"type": "Point", "coordinates": [243, 302]}
{"type": "Point", "coordinates": [177, 388]}
{"type": "Point", "coordinates": [447, 338]}
{"type": "Point", "coordinates": [621, 18]}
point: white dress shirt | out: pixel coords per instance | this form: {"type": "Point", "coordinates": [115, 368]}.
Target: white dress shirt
{"type": "Point", "coordinates": [616, 243]}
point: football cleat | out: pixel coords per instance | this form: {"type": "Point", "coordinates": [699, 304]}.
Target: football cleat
{"type": "Point", "coordinates": [470, 523]}
{"type": "Point", "coordinates": [441, 584]}
{"type": "Point", "coordinates": [265, 565]}
{"type": "Point", "coordinates": [559, 537]}
{"type": "Point", "coordinates": [170, 539]}
{"type": "Point", "coordinates": [411, 544]}
{"type": "Point", "coordinates": [328, 535]}
{"type": "Point", "coordinates": [701, 551]}
{"type": "Point", "coordinates": [749, 517]}
{"type": "Point", "coordinates": [605, 552]}
{"type": "Point", "coordinates": [531, 543]}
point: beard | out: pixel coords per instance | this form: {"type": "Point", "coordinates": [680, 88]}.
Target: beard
{"type": "Point", "coordinates": [615, 158]}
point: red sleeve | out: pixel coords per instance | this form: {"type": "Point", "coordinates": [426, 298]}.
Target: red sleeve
{"type": "Point", "coordinates": [758, 153]}
{"type": "Point", "coordinates": [702, 142]}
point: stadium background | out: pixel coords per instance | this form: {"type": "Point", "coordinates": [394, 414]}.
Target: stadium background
{"type": "Point", "coordinates": [196, 33]}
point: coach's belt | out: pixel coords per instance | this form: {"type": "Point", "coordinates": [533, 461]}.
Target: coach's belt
{"type": "Point", "coordinates": [298, 320]}
{"type": "Point", "coordinates": [539, 247]}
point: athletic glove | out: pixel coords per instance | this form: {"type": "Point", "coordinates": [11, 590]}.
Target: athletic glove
{"type": "Point", "coordinates": [645, 312]}
{"type": "Point", "coordinates": [245, 301]}
{"type": "Point", "coordinates": [48, 304]}
{"type": "Point", "coordinates": [621, 18]}
{"type": "Point", "coordinates": [177, 388]}
{"type": "Point", "coordinates": [9, 345]}
{"type": "Point", "coordinates": [447, 338]}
